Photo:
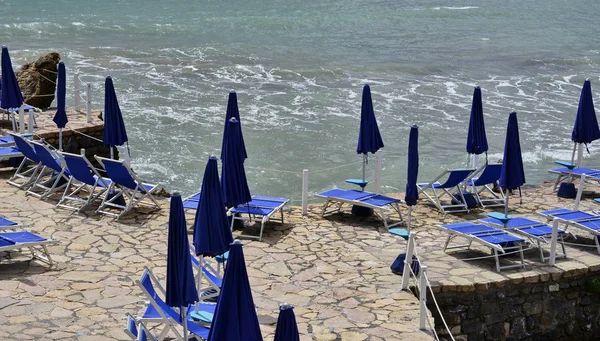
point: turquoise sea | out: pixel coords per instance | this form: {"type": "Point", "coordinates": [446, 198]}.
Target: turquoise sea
{"type": "Point", "coordinates": [299, 67]}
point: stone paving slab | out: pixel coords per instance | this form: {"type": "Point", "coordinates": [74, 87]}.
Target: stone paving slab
{"type": "Point", "coordinates": [334, 270]}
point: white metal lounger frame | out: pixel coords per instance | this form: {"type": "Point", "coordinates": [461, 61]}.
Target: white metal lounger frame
{"type": "Point", "coordinates": [576, 223]}
{"type": "Point", "coordinates": [28, 176]}
{"type": "Point", "coordinates": [539, 240]}
{"type": "Point", "coordinates": [497, 200]}
{"type": "Point", "coordinates": [132, 196]}
{"type": "Point", "coordinates": [43, 256]}
{"type": "Point", "coordinates": [248, 217]}
{"type": "Point", "coordinates": [82, 186]}
{"type": "Point", "coordinates": [494, 247]}
{"type": "Point", "coordinates": [204, 272]}
{"type": "Point", "coordinates": [45, 171]}
{"type": "Point", "coordinates": [562, 175]}
{"type": "Point", "coordinates": [436, 198]}
{"type": "Point", "coordinates": [379, 210]}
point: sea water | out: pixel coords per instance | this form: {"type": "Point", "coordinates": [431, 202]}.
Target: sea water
{"type": "Point", "coordinates": [298, 67]}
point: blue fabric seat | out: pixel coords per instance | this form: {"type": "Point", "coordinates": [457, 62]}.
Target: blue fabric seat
{"type": "Point", "coordinates": [130, 188]}
{"type": "Point", "coordinates": [435, 191]}
{"type": "Point", "coordinates": [52, 177]}
{"type": "Point", "coordinates": [260, 207]}
{"type": "Point", "coordinates": [382, 205]}
{"type": "Point", "coordinates": [23, 177]}
{"type": "Point", "coordinates": [138, 334]}
{"type": "Point", "coordinates": [497, 240]}
{"type": "Point", "coordinates": [481, 180]}
{"type": "Point", "coordinates": [37, 245]}
{"type": "Point", "coordinates": [85, 177]}
{"type": "Point", "coordinates": [565, 173]}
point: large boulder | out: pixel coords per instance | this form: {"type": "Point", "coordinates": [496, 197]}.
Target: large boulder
{"type": "Point", "coordinates": [37, 80]}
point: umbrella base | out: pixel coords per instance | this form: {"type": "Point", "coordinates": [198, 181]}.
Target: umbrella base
{"type": "Point", "coordinates": [362, 211]}
{"type": "Point", "coordinates": [567, 190]}
{"type": "Point", "coordinates": [119, 201]}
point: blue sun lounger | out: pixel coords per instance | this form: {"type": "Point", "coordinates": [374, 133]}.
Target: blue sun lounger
{"type": "Point", "coordinates": [585, 221]}
{"type": "Point", "coordinates": [438, 190]}
{"type": "Point", "coordinates": [191, 202]}
{"type": "Point", "coordinates": [570, 171]}
{"type": "Point", "coordinates": [52, 177]}
{"type": "Point", "coordinates": [210, 293]}
{"type": "Point", "coordinates": [259, 206]}
{"type": "Point", "coordinates": [533, 230]}
{"type": "Point", "coordinates": [85, 177]}
{"type": "Point", "coordinates": [159, 312]}
{"type": "Point", "coordinates": [12, 241]}
{"type": "Point", "coordinates": [488, 176]}
{"type": "Point", "coordinates": [23, 177]}
{"type": "Point", "coordinates": [497, 240]}
{"type": "Point", "coordinates": [383, 205]}
{"type": "Point", "coordinates": [129, 187]}
{"type": "Point", "coordinates": [137, 330]}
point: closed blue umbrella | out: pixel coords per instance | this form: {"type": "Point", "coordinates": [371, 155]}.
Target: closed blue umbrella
{"type": "Point", "coordinates": [60, 117]}
{"type": "Point", "coordinates": [369, 138]}
{"type": "Point", "coordinates": [412, 194]}
{"type": "Point", "coordinates": [287, 329]}
{"type": "Point", "coordinates": [586, 128]}
{"type": "Point", "coordinates": [11, 96]}
{"type": "Point", "coordinates": [235, 314]}
{"type": "Point", "coordinates": [234, 185]}
{"type": "Point", "coordinates": [212, 234]}
{"type": "Point", "coordinates": [233, 111]}
{"type": "Point", "coordinates": [114, 127]}
{"type": "Point", "coordinates": [180, 291]}
{"type": "Point", "coordinates": [476, 138]}
{"type": "Point", "coordinates": [512, 175]}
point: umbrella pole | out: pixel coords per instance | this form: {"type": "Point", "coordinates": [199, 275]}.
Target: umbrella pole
{"type": "Point", "coordinates": [184, 318]}
{"type": "Point", "coordinates": [580, 156]}
{"type": "Point", "coordinates": [506, 203]}
{"type": "Point", "coordinates": [200, 275]}
{"type": "Point", "coordinates": [364, 167]}
{"type": "Point", "coordinates": [408, 221]}
{"type": "Point", "coordinates": [60, 139]}
{"type": "Point", "coordinates": [111, 153]}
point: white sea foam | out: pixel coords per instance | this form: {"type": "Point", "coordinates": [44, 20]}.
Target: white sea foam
{"type": "Point", "coordinates": [454, 8]}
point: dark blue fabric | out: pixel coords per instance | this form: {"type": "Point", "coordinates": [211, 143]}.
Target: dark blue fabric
{"type": "Point", "coordinates": [476, 139]}
{"type": "Point", "coordinates": [60, 118]}
{"type": "Point", "coordinates": [369, 139]}
{"type": "Point", "coordinates": [235, 315]}
{"type": "Point", "coordinates": [212, 234]}
{"type": "Point", "coordinates": [234, 184]}
{"type": "Point", "coordinates": [412, 194]}
{"type": "Point", "coordinates": [586, 125]}
{"type": "Point", "coordinates": [181, 289]}
{"type": "Point", "coordinates": [233, 111]}
{"type": "Point", "coordinates": [287, 329]}
{"type": "Point", "coordinates": [512, 175]}
{"type": "Point", "coordinates": [11, 93]}
{"type": "Point", "coordinates": [114, 127]}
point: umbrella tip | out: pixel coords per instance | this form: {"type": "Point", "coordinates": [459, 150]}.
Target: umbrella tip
{"type": "Point", "coordinates": [176, 194]}
{"type": "Point", "coordinates": [587, 79]}
{"type": "Point", "coordinates": [477, 87]}
{"type": "Point", "coordinates": [285, 306]}
{"type": "Point", "coordinates": [237, 242]}
{"type": "Point", "coordinates": [233, 119]}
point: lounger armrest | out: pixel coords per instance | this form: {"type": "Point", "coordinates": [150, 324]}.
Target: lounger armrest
{"type": "Point", "coordinates": [569, 165]}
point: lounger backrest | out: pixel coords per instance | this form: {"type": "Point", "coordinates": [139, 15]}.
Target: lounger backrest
{"type": "Point", "coordinates": [161, 306]}
{"type": "Point", "coordinates": [79, 169]}
{"type": "Point", "coordinates": [145, 334]}
{"type": "Point", "coordinates": [456, 177]}
{"type": "Point", "coordinates": [25, 148]}
{"type": "Point", "coordinates": [490, 175]}
{"type": "Point", "coordinates": [45, 157]}
{"type": "Point", "coordinates": [119, 173]}
{"type": "Point", "coordinates": [131, 329]}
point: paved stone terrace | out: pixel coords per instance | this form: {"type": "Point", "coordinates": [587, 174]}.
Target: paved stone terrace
{"type": "Point", "coordinates": [335, 271]}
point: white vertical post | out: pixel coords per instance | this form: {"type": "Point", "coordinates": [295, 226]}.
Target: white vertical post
{"type": "Point", "coordinates": [21, 119]}
{"type": "Point", "coordinates": [422, 298]}
{"type": "Point", "coordinates": [77, 95]}
{"type": "Point", "coordinates": [82, 151]}
{"type": "Point", "coordinates": [304, 191]}
{"type": "Point", "coordinates": [88, 98]}
{"type": "Point", "coordinates": [408, 260]}
{"type": "Point", "coordinates": [553, 241]}
{"type": "Point", "coordinates": [579, 192]}
{"type": "Point", "coordinates": [580, 156]}
{"type": "Point", "coordinates": [475, 161]}
{"type": "Point", "coordinates": [31, 120]}
{"type": "Point", "coordinates": [377, 175]}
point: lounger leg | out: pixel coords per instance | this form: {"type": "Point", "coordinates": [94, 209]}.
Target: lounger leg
{"type": "Point", "coordinates": [262, 226]}
{"type": "Point", "coordinates": [497, 260]}
{"type": "Point", "coordinates": [597, 243]}
{"type": "Point", "coordinates": [562, 244]}
{"type": "Point", "coordinates": [522, 256]}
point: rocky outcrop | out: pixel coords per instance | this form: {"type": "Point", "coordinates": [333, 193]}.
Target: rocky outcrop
{"type": "Point", "coordinates": [37, 80]}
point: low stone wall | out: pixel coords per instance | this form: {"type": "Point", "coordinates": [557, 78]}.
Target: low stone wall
{"type": "Point", "coordinates": [74, 142]}
{"type": "Point", "coordinates": [551, 306]}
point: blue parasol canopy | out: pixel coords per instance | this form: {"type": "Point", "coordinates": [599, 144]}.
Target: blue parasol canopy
{"type": "Point", "coordinates": [586, 125]}
{"type": "Point", "coordinates": [60, 117]}
{"type": "Point", "coordinates": [114, 127]}
{"type": "Point", "coordinates": [287, 329]}
{"type": "Point", "coordinates": [234, 185]}
{"type": "Point", "coordinates": [212, 234]}
{"type": "Point", "coordinates": [512, 175]}
{"type": "Point", "coordinates": [412, 194]}
{"type": "Point", "coordinates": [11, 93]}
{"type": "Point", "coordinates": [369, 139]}
{"type": "Point", "coordinates": [181, 289]}
{"type": "Point", "coordinates": [235, 315]}
{"type": "Point", "coordinates": [476, 139]}
{"type": "Point", "coordinates": [233, 111]}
